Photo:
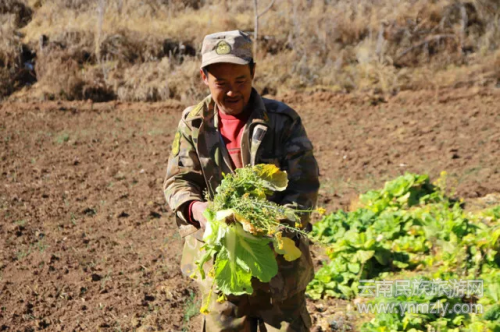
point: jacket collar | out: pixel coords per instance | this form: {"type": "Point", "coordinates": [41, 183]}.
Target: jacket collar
{"type": "Point", "coordinates": [259, 113]}
{"type": "Point", "coordinates": [254, 130]}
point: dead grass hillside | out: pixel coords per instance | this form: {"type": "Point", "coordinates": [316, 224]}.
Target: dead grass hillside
{"type": "Point", "coordinates": [149, 50]}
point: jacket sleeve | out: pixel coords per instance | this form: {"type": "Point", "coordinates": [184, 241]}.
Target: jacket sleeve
{"type": "Point", "coordinates": [184, 181]}
{"type": "Point", "coordinates": [302, 169]}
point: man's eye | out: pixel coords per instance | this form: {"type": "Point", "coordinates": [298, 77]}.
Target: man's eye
{"type": "Point", "coordinates": [240, 82]}
{"type": "Point", "coordinates": [220, 83]}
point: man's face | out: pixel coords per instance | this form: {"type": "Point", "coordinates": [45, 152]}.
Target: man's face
{"type": "Point", "coordinates": [230, 86]}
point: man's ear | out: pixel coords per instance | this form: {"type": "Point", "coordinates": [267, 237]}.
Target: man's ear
{"type": "Point", "coordinates": [204, 77]}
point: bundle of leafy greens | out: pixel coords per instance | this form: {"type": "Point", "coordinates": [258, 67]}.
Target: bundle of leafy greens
{"type": "Point", "coordinates": [244, 227]}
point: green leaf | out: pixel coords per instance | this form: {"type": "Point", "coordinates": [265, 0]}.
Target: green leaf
{"type": "Point", "coordinates": [347, 277]}
{"type": "Point", "coordinates": [493, 313]}
{"type": "Point", "coordinates": [346, 290]}
{"type": "Point", "coordinates": [364, 255]}
{"type": "Point", "coordinates": [401, 265]}
{"type": "Point", "coordinates": [230, 278]}
{"type": "Point", "coordinates": [243, 256]}
{"type": "Point", "coordinates": [354, 267]}
{"type": "Point", "coordinates": [214, 232]}
{"type": "Point", "coordinates": [458, 320]}
{"type": "Point", "coordinates": [353, 238]}
{"type": "Point", "coordinates": [209, 253]}
{"type": "Point", "coordinates": [495, 235]}
{"type": "Point", "coordinates": [383, 256]}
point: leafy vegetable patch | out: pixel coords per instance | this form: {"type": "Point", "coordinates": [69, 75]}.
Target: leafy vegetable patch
{"type": "Point", "coordinates": [410, 225]}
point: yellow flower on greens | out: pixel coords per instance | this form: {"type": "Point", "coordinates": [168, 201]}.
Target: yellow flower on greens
{"type": "Point", "coordinates": [222, 298]}
{"type": "Point", "coordinates": [279, 239]}
{"type": "Point", "coordinates": [204, 310]}
{"type": "Point", "coordinates": [321, 211]}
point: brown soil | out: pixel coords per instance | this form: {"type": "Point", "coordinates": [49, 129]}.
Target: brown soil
{"type": "Point", "coordinates": [87, 242]}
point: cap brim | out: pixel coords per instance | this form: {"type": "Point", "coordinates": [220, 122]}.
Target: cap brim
{"type": "Point", "coordinates": [229, 58]}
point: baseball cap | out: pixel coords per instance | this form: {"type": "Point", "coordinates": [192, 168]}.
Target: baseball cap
{"type": "Point", "coordinates": [228, 46]}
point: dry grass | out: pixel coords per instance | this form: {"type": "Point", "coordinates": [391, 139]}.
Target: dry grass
{"type": "Point", "coordinates": [153, 81]}
{"type": "Point", "coordinates": [377, 46]}
{"type": "Point", "coordinates": [147, 50]}
{"type": "Point", "coordinates": [11, 67]}
{"type": "Point", "coordinates": [10, 46]}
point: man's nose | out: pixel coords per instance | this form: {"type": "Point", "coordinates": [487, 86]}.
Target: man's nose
{"type": "Point", "coordinates": [231, 92]}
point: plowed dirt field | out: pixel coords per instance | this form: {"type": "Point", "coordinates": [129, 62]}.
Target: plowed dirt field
{"type": "Point", "coordinates": [87, 242]}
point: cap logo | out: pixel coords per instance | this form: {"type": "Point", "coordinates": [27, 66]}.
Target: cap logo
{"type": "Point", "coordinates": [223, 48]}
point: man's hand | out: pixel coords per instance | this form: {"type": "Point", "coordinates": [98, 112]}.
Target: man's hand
{"type": "Point", "coordinates": [197, 211]}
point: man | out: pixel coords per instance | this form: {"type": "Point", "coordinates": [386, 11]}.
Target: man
{"type": "Point", "coordinates": [234, 127]}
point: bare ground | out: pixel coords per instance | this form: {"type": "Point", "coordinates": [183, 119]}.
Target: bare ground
{"type": "Point", "coordinates": [87, 242]}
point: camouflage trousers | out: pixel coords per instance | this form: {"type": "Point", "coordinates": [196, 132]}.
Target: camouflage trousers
{"type": "Point", "coordinates": [257, 312]}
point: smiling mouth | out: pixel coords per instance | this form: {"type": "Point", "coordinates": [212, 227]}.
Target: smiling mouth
{"type": "Point", "coordinates": [232, 101]}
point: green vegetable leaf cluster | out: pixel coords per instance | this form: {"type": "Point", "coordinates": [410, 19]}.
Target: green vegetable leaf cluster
{"type": "Point", "coordinates": [410, 225]}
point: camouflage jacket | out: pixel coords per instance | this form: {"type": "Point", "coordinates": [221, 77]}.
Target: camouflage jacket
{"type": "Point", "coordinates": [273, 134]}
